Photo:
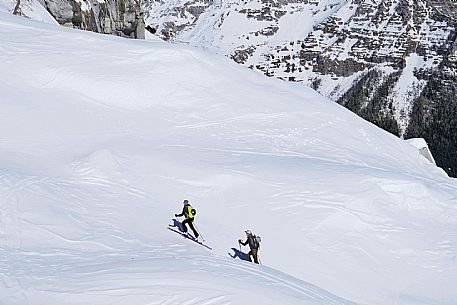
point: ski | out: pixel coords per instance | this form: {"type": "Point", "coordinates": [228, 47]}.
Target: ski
{"type": "Point", "coordinates": [190, 238]}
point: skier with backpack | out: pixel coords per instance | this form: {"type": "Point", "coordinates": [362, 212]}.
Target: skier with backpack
{"type": "Point", "coordinates": [254, 245]}
{"type": "Point", "coordinates": [189, 212]}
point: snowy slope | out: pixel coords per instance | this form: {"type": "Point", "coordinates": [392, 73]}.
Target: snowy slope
{"type": "Point", "coordinates": [102, 138]}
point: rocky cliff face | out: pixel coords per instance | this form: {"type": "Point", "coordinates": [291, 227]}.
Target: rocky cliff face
{"type": "Point", "coordinates": [118, 17]}
{"type": "Point", "coordinates": [376, 57]}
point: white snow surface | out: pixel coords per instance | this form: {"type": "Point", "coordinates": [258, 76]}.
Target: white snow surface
{"type": "Point", "coordinates": [102, 138]}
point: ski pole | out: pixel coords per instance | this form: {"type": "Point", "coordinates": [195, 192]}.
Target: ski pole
{"type": "Point", "coordinates": [195, 225]}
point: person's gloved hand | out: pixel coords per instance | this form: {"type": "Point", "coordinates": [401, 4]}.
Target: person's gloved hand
{"type": "Point", "coordinates": [239, 241]}
{"type": "Point", "coordinates": [176, 215]}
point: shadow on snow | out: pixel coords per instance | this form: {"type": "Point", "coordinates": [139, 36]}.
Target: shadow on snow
{"type": "Point", "coordinates": [239, 254]}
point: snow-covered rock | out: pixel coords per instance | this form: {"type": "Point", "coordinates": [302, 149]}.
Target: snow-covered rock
{"type": "Point", "coordinates": [32, 9]}
{"type": "Point", "coordinates": [118, 17]}
{"type": "Point", "coordinates": [422, 146]}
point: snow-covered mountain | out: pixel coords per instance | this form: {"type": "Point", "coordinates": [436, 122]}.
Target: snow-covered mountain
{"type": "Point", "coordinates": [102, 138]}
{"type": "Point", "coordinates": [374, 57]}
{"type": "Point", "coordinates": [327, 44]}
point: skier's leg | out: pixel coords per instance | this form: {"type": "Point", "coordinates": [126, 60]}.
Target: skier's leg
{"type": "Point", "coordinates": [249, 256]}
{"type": "Point", "coordinates": [254, 255]}
{"type": "Point", "coordinates": [183, 225]}
{"type": "Point", "coordinates": [191, 225]}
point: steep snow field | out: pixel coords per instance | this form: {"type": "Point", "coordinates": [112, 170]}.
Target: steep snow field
{"type": "Point", "coordinates": [102, 138]}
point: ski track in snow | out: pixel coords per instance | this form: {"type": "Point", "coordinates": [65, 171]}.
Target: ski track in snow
{"type": "Point", "coordinates": [50, 268]}
{"type": "Point", "coordinates": [129, 275]}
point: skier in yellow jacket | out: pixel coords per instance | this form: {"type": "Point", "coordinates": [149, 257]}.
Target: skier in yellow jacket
{"type": "Point", "coordinates": [189, 212]}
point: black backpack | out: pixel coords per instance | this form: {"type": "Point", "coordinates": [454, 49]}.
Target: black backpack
{"type": "Point", "coordinates": [256, 241]}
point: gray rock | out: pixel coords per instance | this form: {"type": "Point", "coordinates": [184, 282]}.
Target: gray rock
{"type": "Point", "coordinates": [117, 17]}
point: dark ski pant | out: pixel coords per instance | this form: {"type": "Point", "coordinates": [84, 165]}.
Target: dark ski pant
{"type": "Point", "coordinates": [189, 221]}
{"type": "Point", "coordinates": [253, 253]}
